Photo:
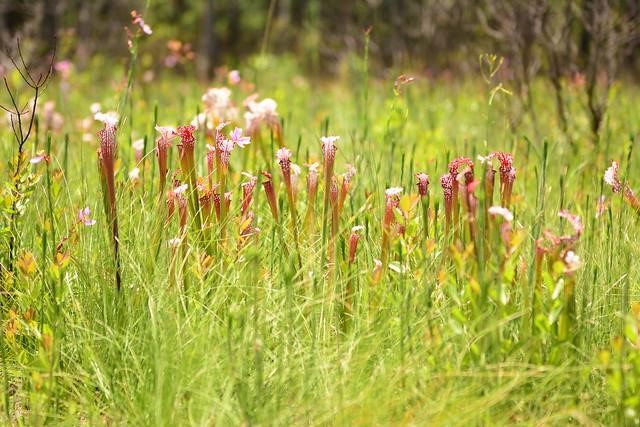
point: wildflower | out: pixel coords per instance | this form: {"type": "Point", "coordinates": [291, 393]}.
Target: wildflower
{"type": "Point", "coordinates": [40, 157]}
{"type": "Point", "coordinates": [329, 149]}
{"type": "Point", "coordinates": [134, 174]}
{"type": "Point", "coordinates": [423, 183]}
{"type": "Point", "coordinates": [353, 242]}
{"type": "Point", "coordinates": [218, 105]}
{"type": "Point", "coordinates": [262, 112]}
{"type": "Point", "coordinates": [236, 137]}
{"type": "Point", "coordinates": [267, 184]}
{"type": "Point", "coordinates": [500, 211]}
{"type": "Point", "coordinates": [611, 177]}
{"type": "Point", "coordinates": [571, 261]}
{"type": "Point", "coordinates": [233, 77]}
{"type": "Point", "coordinates": [284, 159]}
{"type": "Point", "coordinates": [64, 68]}
{"type": "Point", "coordinates": [393, 192]}
{"type": "Point", "coordinates": [136, 19]}
{"type": "Point", "coordinates": [109, 119]}
{"type": "Point", "coordinates": [84, 216]}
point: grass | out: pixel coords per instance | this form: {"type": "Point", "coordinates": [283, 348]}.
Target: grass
{"type": "Point", "coordinates": [251, 337]}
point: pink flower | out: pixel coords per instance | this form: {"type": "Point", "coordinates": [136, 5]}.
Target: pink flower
{"type": "Point", "coordinates": [234, 77]}
{"type": "Point", "coordinates": [64, 67]}
{"type": "Point", "coordinates": [423, 183]}
{"type": "Point", "coordinates": [284, 159]}
{"type": "Point", "coordinates": [136, 19]}
{"type": "Point", "coordinates": [237, 138]}
{"type": "Point", "coordinates": [39, 157]}
{"type": "Point", "coordinates": [84, 216]}
{"type": "Point", "coordinates": [329, 147]}
{"type": "Point", "coordinates": [611, 177]}
{"type": "Point", "coordinates": [180, 189]}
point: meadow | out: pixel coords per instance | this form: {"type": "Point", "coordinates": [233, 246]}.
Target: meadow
{"type": "Point", "coordinates": [286, 261]}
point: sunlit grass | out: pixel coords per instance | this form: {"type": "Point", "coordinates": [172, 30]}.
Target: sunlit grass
{"type": "Point", "coordinates": [280, 325]}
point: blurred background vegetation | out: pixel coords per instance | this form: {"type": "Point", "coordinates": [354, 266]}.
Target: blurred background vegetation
{"type": "Point", "coordinates": [441, 36]}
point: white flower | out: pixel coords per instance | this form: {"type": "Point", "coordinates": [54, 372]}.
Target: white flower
{"type": "Point", "coordinates": [180, 189]}
{"type": "Point", "coordinates": [134, 174]}
{"type": "Point", "coordinates": [110, 119]}
{"type": "Point", "coordinates": [138, 145]}
{"type": "Point", "coordinates": [393, 191]}
{"type": "Point", "coordinates": [218, 104]}
{"type": "Point", "coordinates": [611, 177]}
{"type": "Point", "coordinates": [572, 261]}
{"type": "Point", "coordinates": [503, 212]}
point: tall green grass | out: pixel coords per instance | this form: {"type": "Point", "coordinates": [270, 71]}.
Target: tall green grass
{"type": "Point", "coordinates": [256, 339]}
